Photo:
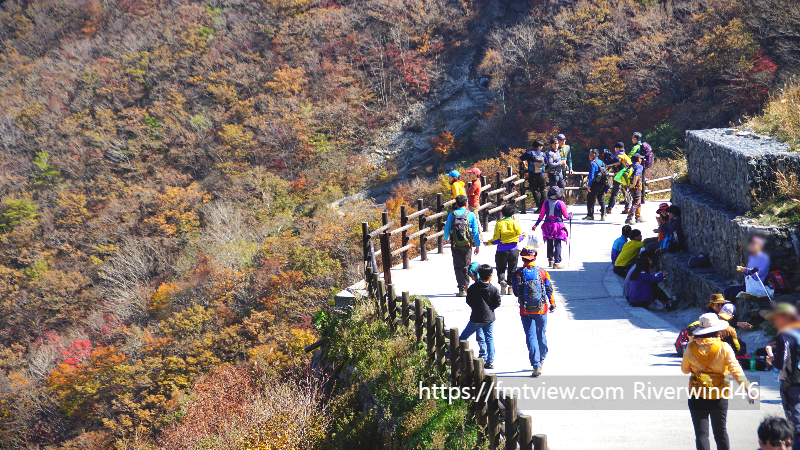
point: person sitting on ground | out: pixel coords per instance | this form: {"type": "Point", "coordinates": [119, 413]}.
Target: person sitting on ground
{"type": "Point", "coordinates": [474, 188]}
{"type": "Point", "coordinates": [483, 298]}
{"type": "Point", "coordinates": [635, 188]}
{"type": "Point", "coordinates": [537, 182]}
{"type": "Point", "coordinates": [555, 169]}
{"type": "Point", "coordinates": [709, 360]}
{"type": "Point", "coordinates": [630, 252]}
{"type": "Point", "coordinates": [462, 227]}
{"type": "Point", "coordinates": [534, 290]}
{"type": "Point", "coordinates": [661, 219]}
{"type": "Point", "coordinates": [598, 183]}
{"type": "Point", "coordinates": [672, 231]}
{"type": "Point", "coordinates": [456, 185]}
{"type": "Point", "coordinates": [554, 211]}
{"type": "Point", "coordinates": [626, 286]}
{"type": "Point", "coordinates": [620, 242]}
{"type": "Point", "coordinates": [757, 267]}
{"type": "Point", "coordinates": [784, 356]}
{"type": "Point", "coordinates": [644, 289]}
{"type": "Point", "coordinates": [507, 237]}
{"type": "Point", "coordinates": [726, 311]}
{"type": "Point", "coordinates": [775, 433]}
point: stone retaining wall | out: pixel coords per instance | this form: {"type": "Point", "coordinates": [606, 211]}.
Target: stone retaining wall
{"type": "Point", "coordinates": [739, 171]}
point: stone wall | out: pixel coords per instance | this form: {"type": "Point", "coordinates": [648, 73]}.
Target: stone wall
{"type": "Point", "coordinates": [737, 170]}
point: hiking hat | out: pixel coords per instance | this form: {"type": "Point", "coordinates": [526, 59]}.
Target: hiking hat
{"type": "Point", "coordinates": [561, 137]}
{"type": "Point", "coordinates": [475, 170]}
{"type": "Point", "coordinates": [710, 323]}
{"type": "Point", "coordinates": [662, 208]}
{"type": "Point", "coordinates": [727, 311]}
{"type": "Point", "coordinates": [473, 270]}
{"type": "Point", "coordinates": [528, 253]}
{"type": "Point", "coordinates": [717, 298]}
{"type": "Point", "coordinates": [454, 174]}
{"type": "Point", "coordinates": [782, 309]}
{"type": "Point", "coordinates": [554, 193]}
{"type": "Point", "coordinates": [554, 140]}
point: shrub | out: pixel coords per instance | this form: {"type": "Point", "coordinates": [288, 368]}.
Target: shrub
{"type": "Point", "coordinates": [781, 116]}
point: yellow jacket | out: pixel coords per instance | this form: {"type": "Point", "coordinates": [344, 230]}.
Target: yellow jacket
{"type": "Point", "coordinates": [715, 365]}
{"type": "Point", "coordinates": [507, 231]}
{"type": "Point", "coordinates": [457, 188]}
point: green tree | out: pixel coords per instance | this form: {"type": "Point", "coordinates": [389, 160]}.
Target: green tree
{"type": "Point", "coordinates": [47, 175]}
{"type": "Point", "coordinates": [16, 211]}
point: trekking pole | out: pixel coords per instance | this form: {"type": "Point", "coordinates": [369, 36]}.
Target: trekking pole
{"type": "Point", "coordinates": [569, 242]}
{"type": "Point", "coordinates": [763, 287]}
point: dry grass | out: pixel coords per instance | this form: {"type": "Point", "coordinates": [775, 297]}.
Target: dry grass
{"type": "Point", "coordinates": [784, 207]}
{"type": "Point", "coordinates": [781, 116]}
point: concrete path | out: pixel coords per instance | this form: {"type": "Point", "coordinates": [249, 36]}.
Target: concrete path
{"type": "Point", "coordinates": [594, 332]}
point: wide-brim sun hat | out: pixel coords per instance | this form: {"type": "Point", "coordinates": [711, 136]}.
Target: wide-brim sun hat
{"type": "Point", "coordinates": [710, 323]}
{"type": "Point", "coordinates": [782, 309]}
{"type": "Point", "coordinates": [717, 298]}
{"type": "Point", "coordinates": [454, 173]}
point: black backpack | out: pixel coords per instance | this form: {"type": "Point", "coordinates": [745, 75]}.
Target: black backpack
{"type": "Point", "coordinates": [461, 235]}
{"type": "Point", "coordinates": [537, 163]}
{"type": "Point", "coordinates": [696, 262]}
{"type": "Point", "coordinates": [602, 175]}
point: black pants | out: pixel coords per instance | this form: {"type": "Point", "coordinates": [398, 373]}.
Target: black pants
{"type": "Point", "coordinates": [658, 294]}
{"type": "Point", "coordinates": [538, 186]}
{"type": "Point", "coordinates": [731, 292]}
{"type": "Point", "coordinates": [790, 397]}
{"type": "Point", "coordinates": [462, 258]}
{"type": "Point", "coordinates": [622, 270]}
{"type": "Point", "coordinates": [596, 194]}
{"type": "Point", "coordinates": [612, 200]}
{"type": "Point", "coordinates": [557, 179]}
{"type": "Point", "coordinates": [644, 180]}
{"type": "Point", "coordinates": [506, 261]}
{"type": "Point", "coordinates": [554, 250]}
{"type": "Point", "coordinates": [702, 410]}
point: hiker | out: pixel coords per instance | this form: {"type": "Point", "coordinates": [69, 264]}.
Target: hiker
{"type": "Point", "coordinates": [756, 271]}
{"type": "Point", "coordinates": [709, 360]}
{"type": "Point", "coordinates": [534, 291]}
{"type": "Point", "coordinates": [536, 160]}
{"type": "Point", "coordinates": [462, 227]}
{"type": "Point", "coordinates": [507, 237]}
{"type": "Point", "coordinates": [555, 169]}
{"type": "Point", "coordinates": [635, 187]}
{"type": "Point", "coordinates": [626, 286]}
{"type": "Point", "coordinates": [726, 311]}
{"type": "Point", "coordinates": [474, 188]}
{"type": "Point", "coordinates": [554, 211]}
{"type": "Point", "coordinates": [620, 242]}
{"type": "Point", "coordinates": [672, 232]}
{"type": "Point", "coordinates": [775, 433]}
{"type": "Point", "coordinates": [644, 290]}
{"type": "Point", "coordinates": [456, 185]}
{"type": "Point", "coordinates": [620, 169]}
{"type": "Point", "coordinates": [483, 298]}
{"type": "Point", "coordinates": [661, 219]}
{"type": "Point", "coordinates": [598, 184]}
{"type": "Point", "coordinates": [646, 152]}
{"type": "Point", "coordinates": [629, 253]}
{"type": "Point", "coordinates": [785, 356]}
{"type": "Point", "coordinates": [565, 152]}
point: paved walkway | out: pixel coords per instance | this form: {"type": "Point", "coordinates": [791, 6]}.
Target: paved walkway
{"type": "Point", "coordinates": [592, 333]}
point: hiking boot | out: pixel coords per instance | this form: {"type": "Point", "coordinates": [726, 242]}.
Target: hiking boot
{"type": "Point", "coordinates": [608, 210]}
{"type": "Point", "coordinates": [588, 218]}
{"type": "Point", "coordinates": [488, 366]}
{"type": "Point", "coordinates": [536, 372]}
{"type": "Point", "coordinates": [672, 305]}
{"type": "Point", "coordinates": [503, 288]}
{"type": "Point", "coordinates": [639, 220]}
{"type": "Point", "coordinates": [550, 264]}
{"type": "Point", "coordinates": [626, 211]}
{"type": "Point", "coordinates": [462, 293]}
{"type": "Point", "coordinates": [629, 222]}
{"type": "Point", "coordinates": [603, 218]}
{"type": "Point", "coordinates": [558, 266]}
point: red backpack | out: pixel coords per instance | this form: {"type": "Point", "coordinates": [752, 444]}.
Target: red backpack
{"type": "Point", "coordinates": [778, 282]}
{"type": "Point", "coordinates": [682, 342]}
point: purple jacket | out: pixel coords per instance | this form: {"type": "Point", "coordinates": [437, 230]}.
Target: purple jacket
{"type": "Point", "coordinates": [641, 289]}
{"type": "Point", "coordinates": [553, 212]}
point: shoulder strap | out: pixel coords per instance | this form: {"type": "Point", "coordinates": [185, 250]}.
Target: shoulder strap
{"type": "Point", "coordinates": [706, 359]}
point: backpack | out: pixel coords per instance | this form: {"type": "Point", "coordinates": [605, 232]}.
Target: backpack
{"type": "Point", "coordinates": [648, 158]}
{"type": "Point", "coordinates": [778, 282]}
{"type": "Point", "coordinates": [682, 342]}
{"type": "Point", "coordinates": [670, 243]}
{"type": "Point", "coordinates": [536, 163]}
{"type": "Point", "coordinates": [460, 234]}
{"type": "Point", "coordinates": [794, 354]}
{"type": "Point", "coordinates": [696, 262]}
{"type": "Point", "coordinates": [529, 288]}
{"type": "Point", "coordinates": [601, 176]}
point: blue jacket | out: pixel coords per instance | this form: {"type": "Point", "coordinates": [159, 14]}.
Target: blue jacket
{"type": "Point", "coordinates": [641, 289]}
{"type": "Point", "coordinates": [617, 247]}
{"type": "Point", "coordinates": [594, 167]}
{"type": "Point", "coordinates": [471, 220]}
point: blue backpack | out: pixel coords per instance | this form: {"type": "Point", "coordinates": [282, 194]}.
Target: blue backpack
{"type": "Point", "coordinates": [670, 243]}
{"type": "Point", "coordinates": [528, 286]}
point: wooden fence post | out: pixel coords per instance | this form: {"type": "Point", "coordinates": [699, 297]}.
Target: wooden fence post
{"type": "Point", "coordinates": [423, 238]}
{"type": "Point", "coordinates": [431, 333]}
{"type": "Point", "coordinates": [523, 188]}
{"type": "Point", "coordinates": [391, 301]}
{"type": "Point", "coordinates": [440, 357]}
{"type": "Point", "coordinates": [386, 257]}
{"type": "Point", "coordinates": [466, 363]}
{"type": "Point", "coordinates": [511, 422]}
{"type": "Point", "coordinates": [492, 412]}
{"type": "Point", "coordinates": [404, 235]}
{"type": "Point", "coordinates": [469, 382]}
{"type": "Point", "coordinates": [524, 424]}
{"type": "Point", "coordinates": [439, 223]}
{"type": "Point", "coordinates": [540, 442]}
{"type": "Point", "coordinates": [406, 307]}
{"type": "Point", "coordinates": [365, 240]}
{"type": "Point", "coordinates": [484, 200]}
{"type": "Point", "coordinates": [455, 364]}
{"type": "Point", "coordinates": [498, 199]}
{"type": "Point", "coordinates": [419, 319]}
{"type": "Point", "coordinates": [480, 402]}
{"type": "Point", "coordinates": [381, 295]}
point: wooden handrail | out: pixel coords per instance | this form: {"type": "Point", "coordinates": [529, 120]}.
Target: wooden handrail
{"type": "Point", "coordinates": [380, 230]}
{"type": "Point", "coordinates": [418, 213]}
{"type": "Point", "coordinates": [400, 229]}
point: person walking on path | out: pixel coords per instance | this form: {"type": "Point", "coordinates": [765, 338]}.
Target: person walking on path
{"type": "Point", "coordinates": [456, 185]}
{"type": "Point", "coordinates": [785, 356]}
{"type": "Point", "coordinates": [534, 291]}
{"type": "Point", "coordinates": [483, 298]}
{"type": "Point", "coordinates": [536, 159]}
{"type": "Point", "coordinates": [709, 360]}
{"type": "Point", "coordinates": [630, 252]}
{"type": "Point", "coordinates": [598, 184]}
{"type": "Point", "coordinates": [474, 188]}
{"type": "Point", "coordinates": [461, 229]}
{"type": "Point", "coordinates": [758, 264]}
{"type": "Point", "coordinates": [620, 242]}
{"type": "Point", "coordinates": [555, 169]}
{"type": "Point", "coordinates": [644, 289]}
{"type": "Point", "coordinates": [507, 237]}
{"type": "Point", "coordinates": [553, 212]}
{"type": "Point", "coordinates": [635, 188]}
{"type": "Point", "coordinates": [622, 162]}
{"type": "Point", "coordinates": [564, 151]}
